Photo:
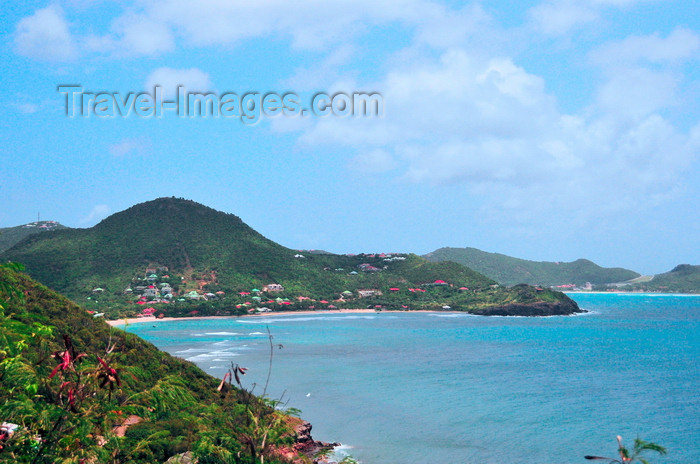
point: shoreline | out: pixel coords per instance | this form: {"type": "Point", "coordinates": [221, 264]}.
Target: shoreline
{"type": "Point", "coordinates": [631, 293]}
{"type": "Point", "coordinates": [137, 320]}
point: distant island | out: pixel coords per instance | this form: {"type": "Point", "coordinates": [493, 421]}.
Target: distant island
{"type": "Point", "coordinates": [175, 257]}
{"type": "Point", "coordinates": [508, 270]}
{"type": "Point", "coordinates": [579, 275]}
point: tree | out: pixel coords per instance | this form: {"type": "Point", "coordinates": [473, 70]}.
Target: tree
{"type": "Point", "coordinates": [634, 455]}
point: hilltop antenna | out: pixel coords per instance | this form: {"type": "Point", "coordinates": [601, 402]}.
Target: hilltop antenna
{"type": "Point", "coordinates": [38, 217]}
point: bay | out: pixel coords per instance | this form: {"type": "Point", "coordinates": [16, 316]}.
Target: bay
{"type": "Point", "coordinates": [417, 388]}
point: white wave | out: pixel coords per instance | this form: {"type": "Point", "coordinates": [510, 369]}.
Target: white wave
{"type": "Point", "coordinates": [309, 318]}
{"type": "Point", "coordinates": [213, 354]}
{"type": "Point", "coordinates": [657, 295]}
{"type": "Point", "coordinates": [256, 333]}
{"type": "Point", "coordinates": [340, 452]}
{"type": "Point", "coordinates": [451, 315]}
{"type": "Point", "coordinates": [191, 350]}
{"type": "Point", "coordinates": [222, 333]}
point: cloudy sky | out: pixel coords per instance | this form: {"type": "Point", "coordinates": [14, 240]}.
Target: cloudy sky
{"type": "Point", "coordinates": [548, 131]}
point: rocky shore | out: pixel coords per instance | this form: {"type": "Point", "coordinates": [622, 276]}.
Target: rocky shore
{"type": "Point", "coordinates": [560, 308]}
{"type": "Point", "coordinates": [306, 445]}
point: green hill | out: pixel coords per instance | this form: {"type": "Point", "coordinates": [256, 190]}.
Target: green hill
{"type": "Point", "coordinates": [215, 263]}
{"type": "Point", "coordinates": [81, 391]}
{"type": "Point", "coordinates": [684, 278]}
{"type": "Point", "coordinates": [510, 271]}
{"type": "Point", "coordinates": [11, 235]}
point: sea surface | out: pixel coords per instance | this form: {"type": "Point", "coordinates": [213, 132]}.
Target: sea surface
{"type": "Point", "coordinates": [424, 388]}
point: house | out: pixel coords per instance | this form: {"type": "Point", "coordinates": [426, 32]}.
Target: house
{"type": "Point", "coordinates": [366, 267]}
{"type": "Point", "coordinates": [150, 293]}
{"type": "Point", "coordinates": [193, 295]}
{"type": "Point", "coordinates": [273, 288]}
{"type": "Point", "coordinates": [364, 293]}
{"type": "Point", "coordinates": [152, 278]}
{"type": "Point", "coordinates": [98, 290]}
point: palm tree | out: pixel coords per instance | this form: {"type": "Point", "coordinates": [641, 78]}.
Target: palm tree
{"type": "Point", "coordinates": [627, 456]}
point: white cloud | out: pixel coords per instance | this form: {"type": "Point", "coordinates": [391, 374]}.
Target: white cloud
{"type": "Point", "coordinates": [320, 75]}
{"type": "Point", "coordinates": [45, 36]}
{"type": "Point", "coordinates": [312, 24]}
{"type": "Point", "coordinates": [192, 79]}
{"type": "Point", "coordinates": [443, 28]}
{"type": "Point", "coordinates": [97, 213]}
{"type": "Point", "coordinates": [133, 35]}
{"type": "Point", "coordinates": [26, 107]}
{"type": "Point", "coordinates": [491, 126]}
{"type": "Point", "coordinates": [638, 92]}
{"type": "Point", "coordinates": [560, 17]}
{"type": "Point", "coordinates": [373, 161]}
{"type": "Point", "coordinates": [144, 36]}
{"type": "Point", "coordinates": [644, 73]}
{"type": "Point", "coordinates": [128, 147]}
{"type": "Point", "coordinates": [681, 44]}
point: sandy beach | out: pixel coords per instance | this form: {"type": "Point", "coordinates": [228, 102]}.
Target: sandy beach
{"type": "Point", "coordinates": [137, 320]}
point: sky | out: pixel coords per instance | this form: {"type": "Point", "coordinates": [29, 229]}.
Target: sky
{"type": "Point", "coordinates": [548, 131]}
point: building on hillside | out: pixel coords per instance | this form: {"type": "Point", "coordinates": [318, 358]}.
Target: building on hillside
{"type": "Point", "coordinates": [364, 293]}
{"type": "Point", "coordinates": [366, 267]}
{"type": "Point", "coordinates": [273, 288]}
{"type": "Point", "coordinates": [150, 293]}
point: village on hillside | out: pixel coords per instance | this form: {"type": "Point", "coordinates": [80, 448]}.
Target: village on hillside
{"type": "Point", "coordinates": [157, 292]}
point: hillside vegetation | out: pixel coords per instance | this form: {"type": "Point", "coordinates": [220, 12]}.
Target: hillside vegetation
{"type": "Point", "coordinates": [213, 263]}
{"type": "Point", "coordinates": [510, 271]}
{"type": "Point", "coordinates": [9, 236]}
{"type": "Point", "coordinates": [81, 391]}
{"type": "Point", "coordinates": [684, 278]}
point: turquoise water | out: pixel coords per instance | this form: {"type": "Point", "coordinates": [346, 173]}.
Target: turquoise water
{"type": "Point", "coordinates": [419, 388]}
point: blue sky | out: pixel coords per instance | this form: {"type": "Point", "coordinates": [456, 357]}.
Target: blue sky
{"type": "Point", "coordinates": [548, 131]}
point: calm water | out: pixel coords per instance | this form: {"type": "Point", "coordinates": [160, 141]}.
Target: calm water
{"type": "Point", "coordinates": [419, 388]}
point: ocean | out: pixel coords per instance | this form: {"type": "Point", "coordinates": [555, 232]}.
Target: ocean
{"type": "Point", "coordinates": [423, 388]}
